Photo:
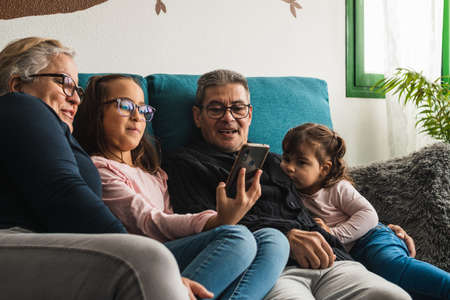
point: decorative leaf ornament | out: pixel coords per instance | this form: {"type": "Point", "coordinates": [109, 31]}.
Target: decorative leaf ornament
{"type": "Point", "coordinates": [160, 6]}
{"type": "Point", "coordinates": [11, 9]}
{"type": "Point", "coordinates": [293, 5]}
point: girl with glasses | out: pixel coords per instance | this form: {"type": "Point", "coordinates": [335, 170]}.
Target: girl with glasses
{"type": "Point", "coordinates": [227, 259]}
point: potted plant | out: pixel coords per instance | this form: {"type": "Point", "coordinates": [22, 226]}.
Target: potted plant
{"type": "Point", "coordinates": [432, 100]}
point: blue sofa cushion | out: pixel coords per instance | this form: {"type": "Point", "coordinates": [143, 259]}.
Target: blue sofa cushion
{"type": "Point", "coordinates": [279, 103]}
{"type": "Point", "coordinates": [83, 79]}
{"type": "Point", "coordinates": [173, 97]}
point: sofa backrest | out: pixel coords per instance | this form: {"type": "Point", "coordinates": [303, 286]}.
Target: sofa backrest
{"type": "Point", "coordinates": [279, 103]}
{"type": "Point", "coordinates": [83, 79]}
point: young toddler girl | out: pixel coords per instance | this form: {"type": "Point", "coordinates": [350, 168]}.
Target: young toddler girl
{"type": "Point", "coordinates": [225, 258]}
{"type": "Point", "coordinates": [313, 159]}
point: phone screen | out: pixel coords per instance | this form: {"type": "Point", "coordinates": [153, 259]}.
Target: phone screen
{"type": "Point", "coordinates": [251, 157]}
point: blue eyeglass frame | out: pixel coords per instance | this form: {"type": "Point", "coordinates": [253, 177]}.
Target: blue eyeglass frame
{"type": "Point", "coordinates": [120, 99]}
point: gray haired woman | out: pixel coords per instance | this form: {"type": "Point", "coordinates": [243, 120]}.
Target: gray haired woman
{"type": "Point", "coordinates": [50, 185]}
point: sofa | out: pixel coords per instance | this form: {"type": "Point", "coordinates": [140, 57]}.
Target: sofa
{"type": "Point", "coordinates": [412, 191]}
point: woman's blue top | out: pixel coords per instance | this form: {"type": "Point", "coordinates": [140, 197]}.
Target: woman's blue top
{"type": "Point", "coordinates": [48, 182]}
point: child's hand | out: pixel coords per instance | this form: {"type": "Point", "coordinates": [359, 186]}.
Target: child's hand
{"type": "Point", "coordinates": [232, 210]}
{"type": "Point", "coordinates": [322, 224]}
{"type": "Point", "coordinates": [196, 289]}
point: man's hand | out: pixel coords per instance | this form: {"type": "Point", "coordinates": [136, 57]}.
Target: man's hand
{"type": "Point", "coordinates": [322, 224]}
{"type": "Point", "coordinates": [310, 249]}
{"type": "Point", "coordinates": [195, 289]}
{"type": "Point", "coordinates": [230, 211]}
{"type": "Point", "coordinates": [401, 233]}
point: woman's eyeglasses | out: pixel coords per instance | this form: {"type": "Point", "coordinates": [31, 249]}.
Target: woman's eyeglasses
{"type": "Point", "coordinates": [126, 107]}
{"type": "Point", "coordinates": [68, 84]}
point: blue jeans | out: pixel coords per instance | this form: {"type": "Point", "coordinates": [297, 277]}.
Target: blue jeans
{"type": "Point", "coordinates": [383, 253]}
{"type": "Point", "coordinates": [232, 262]}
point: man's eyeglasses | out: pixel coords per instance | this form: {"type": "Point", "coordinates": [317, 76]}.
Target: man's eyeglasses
{"type": "Point", "coordinates": [126, 107]}
{"type": "Point", "coordinates": [68, 84]}
{"type": "Point", "coordinates": [217, 110]}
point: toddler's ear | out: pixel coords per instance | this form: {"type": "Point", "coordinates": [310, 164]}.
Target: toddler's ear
{"type": "Point", "coordinates": [326, 168]}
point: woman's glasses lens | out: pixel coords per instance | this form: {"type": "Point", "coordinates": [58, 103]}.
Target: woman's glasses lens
{"type": "Point", "coordinates": [80, 92]}
{"type": "Point", "coordinates": [70, 88]}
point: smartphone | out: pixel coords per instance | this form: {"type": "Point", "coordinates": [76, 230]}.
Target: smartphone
{"type": "Point", "coordinates": [251, 157]}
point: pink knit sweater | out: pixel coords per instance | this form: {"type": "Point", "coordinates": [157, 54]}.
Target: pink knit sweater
{"type": "Point", "coordinates": [141, 201]}
{"type": "Point", "coordinates": [348, 214]}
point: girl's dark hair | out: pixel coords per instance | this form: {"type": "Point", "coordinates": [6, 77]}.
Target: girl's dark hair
{"type": "Point", "coordinates": [326, 143]}
{"type": "Point", "coordinates": [89, 130]}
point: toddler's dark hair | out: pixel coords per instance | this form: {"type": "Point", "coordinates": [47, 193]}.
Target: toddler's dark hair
{"type": "Point", "coordinates": [326, 143]}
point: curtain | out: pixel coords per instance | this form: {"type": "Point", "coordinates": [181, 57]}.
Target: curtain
{"type": "Point", "coordinates": [413, 39]}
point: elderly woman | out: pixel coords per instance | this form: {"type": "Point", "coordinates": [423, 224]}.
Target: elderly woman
{"type": "Point", "coordinates": [50, 185]}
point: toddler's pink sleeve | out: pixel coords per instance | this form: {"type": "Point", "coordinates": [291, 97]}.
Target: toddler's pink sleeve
{"type": "Point", "coordinates": [363, 216]}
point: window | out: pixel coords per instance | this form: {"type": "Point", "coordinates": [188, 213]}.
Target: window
{"type": "Point", "coordinates": [446, 42]}
{"type": "Point", "coordinates": [364, 18]}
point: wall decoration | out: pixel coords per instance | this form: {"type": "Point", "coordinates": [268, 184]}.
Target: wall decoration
{"type": "Point", "coordinates": [160, 6]}
{"type": "Point", "coordinates": [293, 5]}
{"type": "Point", "coordinates": [11, 9]}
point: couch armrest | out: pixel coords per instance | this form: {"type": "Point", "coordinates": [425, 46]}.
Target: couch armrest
{"type": "Point", "coordinates": [413, 192]}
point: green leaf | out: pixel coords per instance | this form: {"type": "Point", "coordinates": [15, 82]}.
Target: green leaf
{"type": "Point", "coordinates": [432, 99]}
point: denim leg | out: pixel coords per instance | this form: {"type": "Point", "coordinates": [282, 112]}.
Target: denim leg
{"type": "Point", "coordinates": [270, 260]}
{"type": "Point", "coordinates": [215, 258]}
{"type": "Point", "coordinates": [383, 253]}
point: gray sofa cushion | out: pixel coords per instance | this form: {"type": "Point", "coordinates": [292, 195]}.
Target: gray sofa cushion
{"type": "Point", "coordinates": [414, 192]}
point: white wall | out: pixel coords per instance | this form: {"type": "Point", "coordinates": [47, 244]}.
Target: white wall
{"type": "Point", "coordinates": [254, 37]}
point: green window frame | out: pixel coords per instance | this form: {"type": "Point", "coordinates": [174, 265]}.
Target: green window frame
{"type": "Point", "coordinates": [446, 43]}
{"type": "Point", "coordinates": [358, 82]}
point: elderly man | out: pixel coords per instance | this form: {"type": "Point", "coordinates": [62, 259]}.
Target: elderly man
{"type": "Point", "coordinates": [319, 268]}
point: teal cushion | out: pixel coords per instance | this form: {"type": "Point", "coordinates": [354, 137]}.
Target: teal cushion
{"type": "Point", "coordinates": [173, 97]}
{"type": "Point", "coordinates": [279, 103]}
{"type": "Point", "coordinates": [83, 79]}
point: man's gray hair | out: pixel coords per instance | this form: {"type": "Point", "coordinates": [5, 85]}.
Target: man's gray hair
{"type": "Point", "coordinates": [218, 78]}
{"type": "Point", "coordinates": [26, 57]}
